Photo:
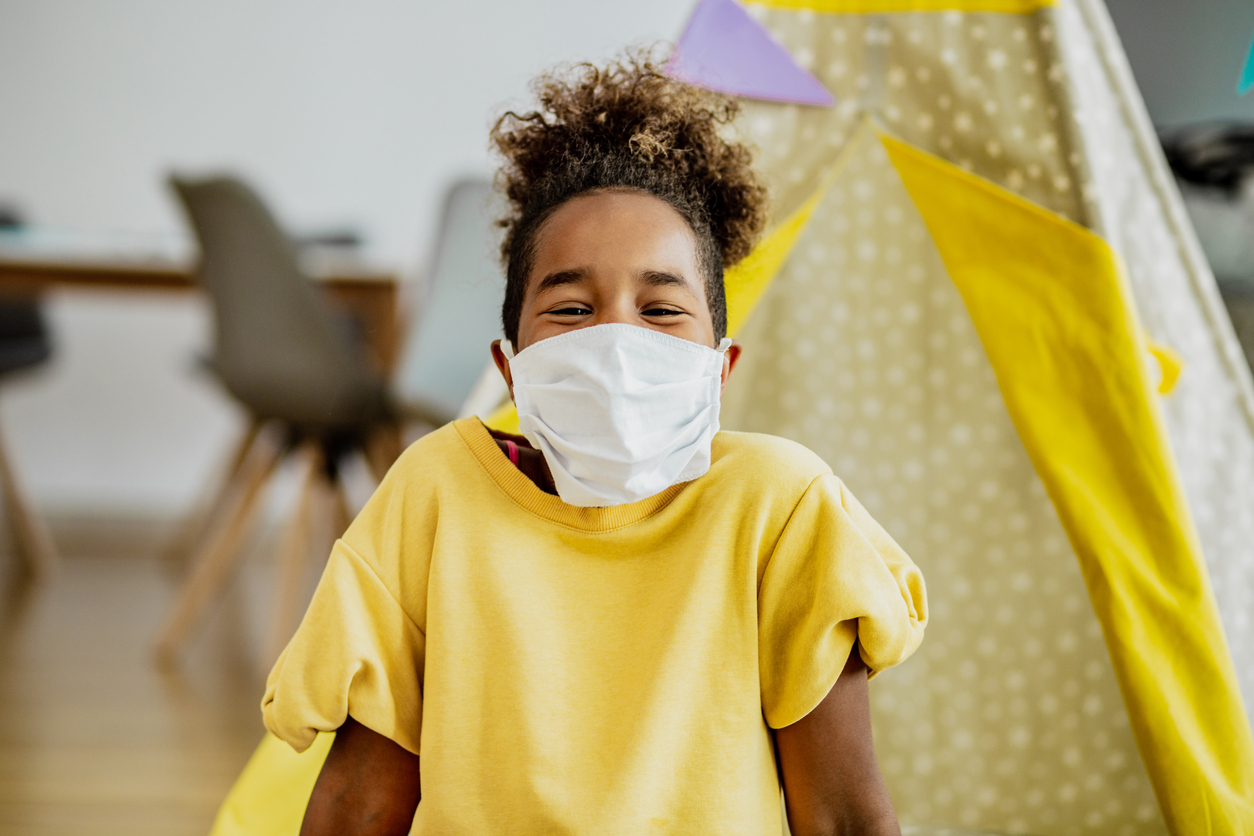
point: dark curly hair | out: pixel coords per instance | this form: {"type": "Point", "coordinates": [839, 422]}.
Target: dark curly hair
{"type": "Point", "coordinates": [627, 126]}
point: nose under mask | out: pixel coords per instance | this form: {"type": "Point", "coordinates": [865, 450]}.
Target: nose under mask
{"type": "Point", "coordinates": [620, 412]}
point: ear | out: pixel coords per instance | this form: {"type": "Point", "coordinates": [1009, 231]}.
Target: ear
{"type": "Point", "coordinates": [502, 364]}
{"type": "Point", "coordinates": [729, 362]}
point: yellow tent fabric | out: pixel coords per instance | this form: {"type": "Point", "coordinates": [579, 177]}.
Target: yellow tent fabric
{"type": "Point", "coordinates": [884, 6]}
{"type": "Point", "coordinates": [270, 795]}
{"type": "Point", "coordinates": [1050, 304]}
{"type": "Point", "coordinates": [1170, 365]}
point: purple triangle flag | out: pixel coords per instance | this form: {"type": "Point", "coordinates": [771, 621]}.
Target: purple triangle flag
{"type": "Point", "coordinates": [725, 49]}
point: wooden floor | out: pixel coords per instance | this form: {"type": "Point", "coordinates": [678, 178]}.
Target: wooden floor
{"type": "Point", "coordinates": [94, 739]}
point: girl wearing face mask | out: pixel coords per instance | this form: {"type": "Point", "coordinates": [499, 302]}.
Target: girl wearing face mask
{"type": "Point", "coordinates": [623, 620]}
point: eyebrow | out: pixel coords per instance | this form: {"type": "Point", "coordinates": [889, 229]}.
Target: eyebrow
{"type": "Point", "coordinates": [653, 278]}
{"type": "Point", "coordinates": [658, 278]}
{"type": "Point", "coordinates": [560, 278]}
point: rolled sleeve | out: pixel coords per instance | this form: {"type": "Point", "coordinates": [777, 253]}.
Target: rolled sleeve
{"type": "Point", "coordinates": [357, 652]}
{"type": "Point", "coordinates": [834, 577]}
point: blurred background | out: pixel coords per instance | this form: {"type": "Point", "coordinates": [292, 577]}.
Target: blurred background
{"type": "Point", "coordinates": [343, 116]}
{"type": "Point", "coordinates": [356, 125]}
{"type": "Point", "coordinates": [352, 118]}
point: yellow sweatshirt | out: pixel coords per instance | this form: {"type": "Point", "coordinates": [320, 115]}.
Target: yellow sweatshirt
{"type": "Point", "coordinates": [594, 670]}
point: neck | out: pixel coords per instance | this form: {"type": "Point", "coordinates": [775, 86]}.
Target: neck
{"type": "Point", "coordinates": [532, 464]}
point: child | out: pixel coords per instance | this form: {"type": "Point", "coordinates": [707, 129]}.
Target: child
{"type": "Point", "coordinates": [623, 621]}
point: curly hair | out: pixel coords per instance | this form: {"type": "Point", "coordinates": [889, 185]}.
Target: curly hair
{"type": "Point", "coordinates": [627, 126]}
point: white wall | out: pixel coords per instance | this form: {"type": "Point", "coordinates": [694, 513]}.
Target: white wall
{"type": "Point", "coordinates": [339, 112]}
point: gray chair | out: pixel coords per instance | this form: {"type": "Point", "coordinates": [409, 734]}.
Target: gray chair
{"type": "Point", "coordinates": [278, 347]}
{"type": "Point", "coordinates": [459, 315]}
{"type": "Point", "coordinates": [299, 370]}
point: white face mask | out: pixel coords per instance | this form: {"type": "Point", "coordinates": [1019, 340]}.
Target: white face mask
{"type": "Point", "coordinates": [620, 412]}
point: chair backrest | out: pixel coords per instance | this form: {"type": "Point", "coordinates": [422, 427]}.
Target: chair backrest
{"type": "Point", "coordinates": [278, 347]}
{"type": "Point", "coordinates": [461, 312]}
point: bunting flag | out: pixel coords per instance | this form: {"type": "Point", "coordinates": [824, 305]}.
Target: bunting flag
{"type": "Point", "coordinates": [725, 49]}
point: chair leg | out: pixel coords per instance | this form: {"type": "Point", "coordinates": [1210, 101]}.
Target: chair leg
{"type": "Point", "coordinates": [383, 448]}
{"type": "Point", "coordinates": [30, 532]}
{"type": "Point", "coordinates": [220, 552]}
{"type": "Point", "coordinates": [208, 511]}
{"type": "Point", "coordinates": [343, 511]}
{"type": "Point", "coordinates": [294, 553]}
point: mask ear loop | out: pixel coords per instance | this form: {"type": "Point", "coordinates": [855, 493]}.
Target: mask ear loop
{"type": "Point", "coordinates": [724, 344]}
{"type": "Point", "coordinates": [507, 348]}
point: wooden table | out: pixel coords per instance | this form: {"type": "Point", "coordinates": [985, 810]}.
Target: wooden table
{"type": "Point", "coordinates": [369, 294]}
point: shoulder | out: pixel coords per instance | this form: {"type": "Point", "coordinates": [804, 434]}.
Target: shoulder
{"type": "Point", "coordinates": [399, 521]}
{"type": "Point", "coordinates": [441, 448]}
{"type": "Point", "coordinates": [411, 490]}
{"type": "Point", "coordinates": [767, 459]}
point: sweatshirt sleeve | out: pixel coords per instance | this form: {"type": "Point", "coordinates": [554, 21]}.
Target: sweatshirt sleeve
{"type": "Point", "coordinates": [361, 648]}
{"type": "Point", "coordinates": [356, 652]}
{"type": "Point", "coordinates": [835, 576]}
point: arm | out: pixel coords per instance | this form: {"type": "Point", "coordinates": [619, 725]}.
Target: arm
{"type": "Point", "coordinates": [367, 787]}
{"type": "Point", "coordinates": [832, 784]}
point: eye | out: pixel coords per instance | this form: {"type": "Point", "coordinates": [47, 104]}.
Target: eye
{"type": "Point", "coordinates": [663, 312]}
{"type": "Point", "coordinates": [571, 310]}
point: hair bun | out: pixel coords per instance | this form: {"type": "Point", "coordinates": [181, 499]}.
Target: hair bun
{"type": "Point", "coordinates": [630, 111]}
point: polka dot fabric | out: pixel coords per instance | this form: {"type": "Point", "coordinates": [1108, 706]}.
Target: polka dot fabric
{"type": "Point", "coordinates": [1009, 717]}
{"type": "Point", "coordinates": [984, 91]}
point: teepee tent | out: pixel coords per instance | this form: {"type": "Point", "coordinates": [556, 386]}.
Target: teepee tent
{"type": "Point", "coordinates": [982, 304]}
{"type": "Point", "coordinates": [995, 323]}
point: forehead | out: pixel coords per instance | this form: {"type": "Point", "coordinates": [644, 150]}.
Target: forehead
{"type": "Point", "coordinates": [616, 231]}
